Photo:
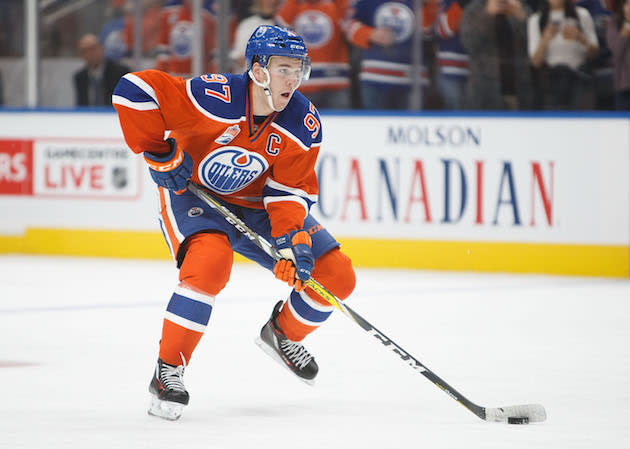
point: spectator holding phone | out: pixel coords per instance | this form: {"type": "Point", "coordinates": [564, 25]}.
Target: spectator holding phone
{"type": "Point", "coordinates": [494, 34]}
{"type": "Point", "coordinates": [618, 36]}
{"type": "Point", "coordinates": [561, 39]}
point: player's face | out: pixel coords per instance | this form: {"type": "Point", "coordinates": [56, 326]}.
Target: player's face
{"type": "Point", "coordinates": [286, 76]}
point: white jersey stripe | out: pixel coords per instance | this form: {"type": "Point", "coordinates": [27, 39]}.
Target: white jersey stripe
{"type": "Point", "coordinates": [290, 136]}
{"type": "Point", "coordinates": [385, 65]}
{"type": "Point", "coordinates": [168, 241]}
{"type": "Point", "coordinates": [138, 106]}
{"type": "Point", "coordinates": [197, 296]}
{"type": "Point", "coordinates": [314, 304]}
{"type": "Point", "coordinates": [300, 318]}
{"type": "Point", "coordinates": [329, 65]}
{"type": "Point", "coordinates": [171, 216]}
{"type": "Point", "coordinates": [276, 199]}
{"type": "Point", "coordinates": [452, 55]}
{"type": "Point", "coordinates": [143, 85]}
{"type": "Point", "coordinates": [326, 81]}
{"type": "Point", "coordinates": [384, 78]}
{"type": "Point", "coordinates": [299, 192]}
{"type": "Point", "coordinates": [183, 322]}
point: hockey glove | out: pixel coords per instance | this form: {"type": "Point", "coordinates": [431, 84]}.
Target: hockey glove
{"type": "Point", "coordinates": [170, 170]}
{"type": "Point", "coordinates": [297, 261]}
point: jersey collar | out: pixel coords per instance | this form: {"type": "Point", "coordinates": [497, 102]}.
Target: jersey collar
{"type": "Point", "coordinates": [255, 133]}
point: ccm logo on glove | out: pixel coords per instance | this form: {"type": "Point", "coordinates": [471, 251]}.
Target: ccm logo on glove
{"type": "Point", "coordinates": [297, 261]}
{"type": "Point", "coordinates": [170, 170]}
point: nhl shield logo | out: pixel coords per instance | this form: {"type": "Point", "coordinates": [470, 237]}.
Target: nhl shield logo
{"type": "Point", "coordinates": [119, 177]}
{"type": "Point", "coordinates": [230, 169]}
{"type": "Point", "coordinates": [228, 135]}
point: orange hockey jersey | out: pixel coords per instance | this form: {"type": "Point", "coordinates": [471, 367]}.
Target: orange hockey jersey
{"type": "Point", "coordinates": [320, 25]}
{"type": "Point", "coordinates": [174, 53]}
{"type": "Point", "coordinates": [269, 165]}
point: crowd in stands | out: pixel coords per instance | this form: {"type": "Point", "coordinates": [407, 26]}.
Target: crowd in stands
{"type": "Point", "coordinates": [470, 54]}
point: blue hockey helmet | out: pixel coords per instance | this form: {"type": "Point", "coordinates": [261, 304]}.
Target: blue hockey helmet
{"type": "Point", "coordinates": [267, 41]}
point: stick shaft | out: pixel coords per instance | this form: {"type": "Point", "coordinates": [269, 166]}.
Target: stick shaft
{"type": "Point", "coordinates": [409, 360]}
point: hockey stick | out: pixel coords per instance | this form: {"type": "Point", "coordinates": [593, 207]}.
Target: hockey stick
{"type": "Point", "coordinates": [514, 414]}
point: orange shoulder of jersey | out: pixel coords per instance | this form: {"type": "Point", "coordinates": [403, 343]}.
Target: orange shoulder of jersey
{"type": "Point", "coordinates": [149, 103]}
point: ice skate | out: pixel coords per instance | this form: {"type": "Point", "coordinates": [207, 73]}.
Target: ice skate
{"type": "Point", "coordinates": [292, 355]}
{"type": "Point", "coordinates": [168, 393]}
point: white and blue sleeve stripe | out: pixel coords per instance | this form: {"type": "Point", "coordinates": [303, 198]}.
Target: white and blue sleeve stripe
{"type": "Point", "coordinates": [135, 93]}
{"type": "Point", "coordinates": [274, 192]}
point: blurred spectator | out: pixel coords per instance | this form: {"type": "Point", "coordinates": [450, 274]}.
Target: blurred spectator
{"type": "Point", "coordinates": [601, 66]}
{"type": "Point", "coordinates": [384, 30]}
{"type": "Point", "coordinates": [319, 22]}
{"type": "Point", "coordinates": [12, 28]}
{"type": "Point", "coordinates": [112, 34]}
{"type": "Point", "coordinates": [175, 44]}
{"type": "Point", "coordinates": [495, 34]}
{"type": "Point", "coordinates": [151, 12]}
{"type": "Point", "coordinates": [452, 58]}
{"type": "Point", "coordinates": [561, 40]}
{"type": "Point", "coordinates": [94, 84]}
{"type": "Point", "coordinates": [263, 12]}
{"type": "Point", "coordinates": [618, 36]}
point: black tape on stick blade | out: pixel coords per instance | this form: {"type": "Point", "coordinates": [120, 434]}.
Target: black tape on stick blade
{"type": "Point", "coordinates": [518, 420]}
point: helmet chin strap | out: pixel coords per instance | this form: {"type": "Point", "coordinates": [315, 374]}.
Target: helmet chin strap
{"type": "Point", "coordinates": [265, 86]}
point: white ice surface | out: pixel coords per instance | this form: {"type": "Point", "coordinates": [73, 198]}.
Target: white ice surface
{"type": "Point", "coordinates": [78, 342]}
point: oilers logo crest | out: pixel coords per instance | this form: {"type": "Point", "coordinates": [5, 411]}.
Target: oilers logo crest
{"type": "Point", "coordinates": [396, 16]}
{"type": "Point", "coordinates": [229, 169]}
{"type": "Point", "coordinates": [195, 212]}
{"type": "Point", "coordinates": [228, 135]}
{"type": "Point", "coordinates": [315, 27]}
{"type": "Point", "coordinates": [260, 32]}
{"type": "Point", "coordinates": [181, 39]}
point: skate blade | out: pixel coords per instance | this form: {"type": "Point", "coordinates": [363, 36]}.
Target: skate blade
{"type": "Point", "coordinates": [271, 353]}
{"type": "Point", "coordinates": [165, 409]}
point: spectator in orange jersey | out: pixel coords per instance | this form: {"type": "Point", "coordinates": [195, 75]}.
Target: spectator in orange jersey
{"type": "Point", "coordinates": [175, 47]}
{"type": "Point", "coordinates": [117, 35]}
{"type": "Point", "coordinates": [151, 12]}
{"type": "Point", "coordinates": [319, 22]}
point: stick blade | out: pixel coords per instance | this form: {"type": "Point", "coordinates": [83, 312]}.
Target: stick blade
{"type": "Point", "coordinates": [534, 413]}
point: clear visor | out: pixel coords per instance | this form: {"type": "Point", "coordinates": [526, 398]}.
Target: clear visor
{"type": "Point", "coordinates": [299, 74]}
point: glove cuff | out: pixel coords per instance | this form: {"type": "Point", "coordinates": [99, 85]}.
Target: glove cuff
{"type": "Point", "coordinates": [301, 238]}
{"type": "Point", "coordinates": [293, 238]}
{"type": "Point", "coordinates": [167, 161]}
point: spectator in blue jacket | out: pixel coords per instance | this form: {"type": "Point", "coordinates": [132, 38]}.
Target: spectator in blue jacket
{"type": "Point", "coordinates": [384, 30]}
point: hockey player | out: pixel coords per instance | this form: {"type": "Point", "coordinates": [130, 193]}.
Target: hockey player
{"type": "Point", "coordinates": [253, 141]}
